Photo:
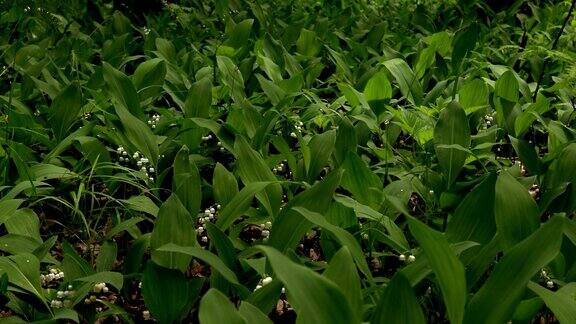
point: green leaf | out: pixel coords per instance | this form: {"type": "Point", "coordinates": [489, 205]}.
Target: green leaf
{"type": "Point", "coordinates": [24, 222]}
{"type": "Point", "coordinates": [224, 185]}
{"type": "Point", "coordinates": [252, 314]}
{"type": "Point", "coordinates": [497, 298]}
{"type": "Point", "coordinates": [516, 218]}
{"type": "Point", "coordinates": [315, 298]}
{"type": "Point", "coordinates": [378, 91]}
{"type": "Point", "coordinates": [149, 78]}
{"type": "Point", "coordinates": [122, 90]}
{"type": "Point", "coordinates": [203, 255]}
{"type": "Point", "coordinates": [527, 154]}
{"type": "Point", "coordinates": [358, 179]}
{"type": "Point", "coordinates": [114, 278]}
{"type": "Point", "coordinates": [452, 128]}
{"type": "Point", "coordinates": [252, 168]}
{"type": "Point", "coordinates": [470, 223]}
{"type": "Point", "coordinates": [168, 294]}
{"type": "Point", "coordinates": [464, 42]}
{"type": "Point", "coordinates": [216, 308]}
{"type": "Point", "coordinates": [142, 204]}
{"type": "Point", "coordinates": [240, 204]}
{"type": "Point", "coordinates": [342, 272]}
{"type": "Point", "coordinates": [239, 34]}
{"type": "Point", "coordinates": [407, 80]}
{"type": "Point", "coordinates": [398, 304]}
{"type": "Point", "coordinates": [23, 271]}
{"type": "Point", "coordinates": [186, 182]}
{"type": "Point", "coordinates": [290, 226]}
{"type": "Point", "coordinates": [232, 78]}
{"type": "Point", "coordinates": [65, 109]}
{"type": "Point", "coordinates": [507, 87]}
{"type": "Point", "coordinates": [173, 225]}
{"type": "Point", "coordinates": [307, 43]}
{"type": "Point", "coordinates": [341, 235]}
{"type": "Point", "coordinates": [448, 269]}
{"type": "Point", "coordinates": [139, 134]}
{"type": "Point", "coordinates": [199, 99]}
{"type": "Point", "coordinates": [321, 148]}
{"type": "Point", "coordinates": [473, 94]}
{"type": "Point", "coordinates": [107, 256]}
{"type": "Point", "coordinates": [561, 303]}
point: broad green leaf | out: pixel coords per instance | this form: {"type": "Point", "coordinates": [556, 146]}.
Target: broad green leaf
{"type": "Point", "coordinates": [463, 43]}
{"type": "Point", "coordinates": [378, 91]}
{"type": "Point", "coordinates": [240, 204]}
{"type": "Point", "coordinates": [252, 168]}
{"type": "Point", "coordinates": [23, 271]}
{"type": "Point", "coordinates": [498, 297]}
{"type": "Point", "coordinates": [24, 222]}
{"type": "Point", "coordinates": [470, 223]}
{"type": "Point", "coordinates": [224, 185]}
{"type": "Point", "coordinates": [452, 128]}
{"type": "Point", "coordinates": [239, 34]}
{"type": "Point", "coordinates": [106, 256]}
{"type": "Point", "coordinates": [321, 148]}
{"type": "Point", "coordinates": [342, 272]}
{"type": "Point", "coordinates": [139, 134]}
{"type": "Point", "coordinates": [168, 294]}
{"type": "Point", "coordinates": [232, 78]}
{"type": "Point", "coordinates": [289, 227]}
{"type": "Point", "coordinates": [199, 99]}
{"type": "Point", "coordinates": [173, 225]}
{"type": "Point", "coordinates": [142, 204]}
{"type": "Point", "coordinates": [65, 109]}
{"type": "Point", "coordinates": [448, 269]}
{"type": "Point", "coordinates": [527, 154]}
{"type": "Point", "coordinates": [358, 179]}
{"type": "Point", "coordinates": [252, 314]}
{"type": "Point", "coordinates": [216, 308]}
{"type": "Point", "coordinates": [307, 43]}
{"type": "Point", "coordinates": [507, 87]}
{"type": "Point", "coordinates": [473, 94]}
{"type": "Point", "coordinates": [149, 78]}
{"type": "Point", "coordinates": [516, 218]}
{"type": "Point", "coordinates": [186, 182]}
{"type": "Point", "coordinates": [398, 304]}
{"type": "Point", "coordinates": [561, 302]}
{"type": "Point", "coordinates": [114, 278]}
{"type": "Point", "coordinates": [342, 236]}
{"type": "Point", "coordinates": [122, 90]}
{"type": "Point", "coordinates": [203, 255]}
{"type": "Point", "coordinates": [407, 80]}
{"type": "Point", "coordinates": [315, 298]}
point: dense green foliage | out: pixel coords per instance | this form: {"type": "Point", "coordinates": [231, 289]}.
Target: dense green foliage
{"type": "Point", "coordinates": [251, 161]}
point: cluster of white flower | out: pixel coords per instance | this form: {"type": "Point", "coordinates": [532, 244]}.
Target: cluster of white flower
{"type": "Point", "coordinates": [411, 258]}
{"type": "Point", "coordinates": [546, 277]}
{"type": "Point", "coordinates": [86, 116]}
{"type": "Point", "coordinates": [488, 119]}
{"type": "Point", "coordinates": [53, 275]}
{"type": "Point", "coordinates": [263, 283]}
{"type": "Point", "coordinates": [154, 121]}
{"type": "Point", "coordinates": [27, 9]}
{"type": "Point", "coordinates": [146, 31]}
{"type": "Point", "coordinates": [123, 154]}
{"type": "Point", "coordinates": [62, 298]}
{"type": "Point", "coordinates": [281, 167]}
{"type": "Point", "coordinates": [100, 288]}
{"type": "Point", "coordinates": [299, 126]}
{"type": "Point", "coordinates": [534, 191]}
{"type": "Point", "coordinates": [209, 215]}
{"type": "Point", "coordinates": [266, 230]}
{"type": "Point", "coordinates": [207, 137]}
{"type": "Point", "coordinates": [144, 164]}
